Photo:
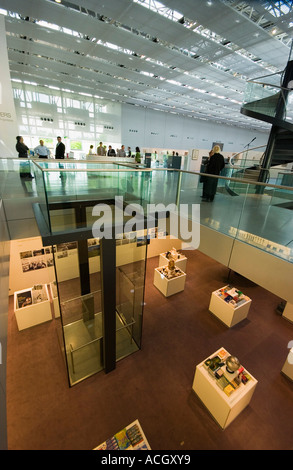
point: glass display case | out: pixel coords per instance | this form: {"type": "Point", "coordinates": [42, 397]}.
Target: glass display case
{"type": "Point", "coordinates": [84, 334]}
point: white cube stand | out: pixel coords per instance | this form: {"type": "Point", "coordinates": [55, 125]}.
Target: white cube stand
{"type": "Point", "coordinates": [288, 312]}
{"type": "Point", "coordinates": [169, 286]}
{"type": "Point", "coordinates": [288, 366]}
{"type": "Point", "coordinates": [230, 315]}
{"type": "Point", "coordinates": [223, 408]}
{"type": "Point", "coordinates": [32, 314]}
{"type": "Point", "coordinates": [179, 263]}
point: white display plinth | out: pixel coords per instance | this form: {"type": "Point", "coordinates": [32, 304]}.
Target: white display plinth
{"type": "Point", "coordinates": [33, 314]}
{"type": "Point", "coordinates": [288, 312]}
{"type": "Point", "coordinates": [288, 366]}
{"type": "Point", "coordinates": [227, 313]}
{"type": "Point", "coordinates": [179, 263]}
{"type": "Point", "coordinates": [55, 302]}
{"type": "Point", "coordinates": [223, 408]}
{"type": "Point", "coordinates": [169, 286]}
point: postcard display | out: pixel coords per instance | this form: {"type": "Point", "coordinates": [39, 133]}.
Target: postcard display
{"type": "Point", "coordinates": [170, 278]}
{"type": "Point", "coordinates": [130, 438]}
{"type": "Point", "coordinates": [224, 389]}
{"type": "Point", "coordinates": [288, 366]}
{"type": "Point", "coordinates": [230, 305]}
{"type": "Point", "coordinates": [32, 306]}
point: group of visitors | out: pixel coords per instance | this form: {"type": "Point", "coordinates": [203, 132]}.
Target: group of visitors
{"type": "Point", "coordinates": [102, 151]}
{"type": "Point", "coordinates": [41, 151]}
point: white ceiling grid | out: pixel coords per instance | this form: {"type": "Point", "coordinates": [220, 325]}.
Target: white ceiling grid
{"type": "Point", "coordinates": [138, 56]}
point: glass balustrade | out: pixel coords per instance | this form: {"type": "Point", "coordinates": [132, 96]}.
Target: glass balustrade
{"type": "Point", "coordinates": [267, 99]}
{"type": "Point", "coordinates": [55, 191]}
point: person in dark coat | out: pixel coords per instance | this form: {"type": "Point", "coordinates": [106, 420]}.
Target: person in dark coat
{"type": "Point", "coordinates": [22, 150]}
{"type": "Point", "coordinates": [215, 165]}
{"type": "Point", "coordinates": [60, 149]}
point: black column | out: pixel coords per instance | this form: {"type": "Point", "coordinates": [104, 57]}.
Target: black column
{"type": "Point", "coordinates": [279, 114]}
{"type": "Point", "coordinates": [108, 289]}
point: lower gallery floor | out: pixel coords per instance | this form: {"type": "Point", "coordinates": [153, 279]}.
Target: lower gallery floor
{"type": "Point", "coordinates": [154, 385]}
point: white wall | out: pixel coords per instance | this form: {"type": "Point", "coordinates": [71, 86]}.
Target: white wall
{"type": "Point", "coordinates": [4, 284]}
{"type": "Point", "coordinates": [174, 132]}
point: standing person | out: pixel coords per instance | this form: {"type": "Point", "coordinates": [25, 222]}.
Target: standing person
{"type": "Point", "coordinates": [129, 152]}
{"type": "Point", "coordinates": [91, 150]}
{"type": "Point", "coordinates": [22, 150]}
{"type": "Point", "coordinates": [215, 165]}
{"type": "Point", "coordinates": [137, 155]}
{"type": "Point", "coordinates": [41, 150]}
{"type": "Point", "coordinates": [101, 150]}
{"type": "Point", "coordinates": [60, 149]}
{"type": "Point", "coordinates": [111, 152]}
{"type": "Point", "coordinates": [121, 152]}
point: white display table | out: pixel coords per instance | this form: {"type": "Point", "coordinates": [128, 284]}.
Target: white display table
{"type": "Point", "coordinates": [288, 366]}
{"type": "Point", "coordinates": [130, 438]}
{"type": "Point", "coordinates": [55, 301]}
{"type": "Point", "coordinates": [288, 312]}
{"type": "Point", "coordinates": [223, 408]}
{"type": "Point", "coordinates": [179, 263]}
{"type": "Point", "coordinates": [32, 314]}
{"type": "Point", "coordinates": [227, 313]}
{"type": "Point", "coordinates": [169, 286]}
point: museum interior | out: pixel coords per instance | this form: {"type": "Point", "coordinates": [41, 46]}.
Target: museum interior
{"type": "Point", "coordinates": [146, 298]}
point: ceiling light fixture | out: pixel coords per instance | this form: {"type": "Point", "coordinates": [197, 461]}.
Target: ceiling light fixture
{"type": "Point", "coordinates": [58, 1]}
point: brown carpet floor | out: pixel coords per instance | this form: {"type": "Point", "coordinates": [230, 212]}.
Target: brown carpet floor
{"type": "Point", "coordinates": [154, 385]}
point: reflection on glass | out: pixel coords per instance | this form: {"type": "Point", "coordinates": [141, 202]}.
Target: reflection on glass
{"type": "Point", "coordinates": [130, 276]}
{"type": "Point", "coordinates": [83, 335]}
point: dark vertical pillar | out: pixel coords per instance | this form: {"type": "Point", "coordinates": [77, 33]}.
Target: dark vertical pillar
{"type": "Point", "coordinates": [279, 114]}
{"type": "Point", "coordinates": [83, 262]}
{"type": "Point", "coordinates": [84, 277]}
{"type": "Point", "coordinates": [108, 289]}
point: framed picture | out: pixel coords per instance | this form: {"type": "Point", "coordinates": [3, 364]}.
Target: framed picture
{"type": "Point", "coordinates": [195, 153]}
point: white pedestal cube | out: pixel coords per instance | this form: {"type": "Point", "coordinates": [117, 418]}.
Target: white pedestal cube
{"type": "Point", "coordinates": [288, 312]}
{"type": "Point", "coordinates": [169, 286]}
{"type": "Point", "coordinates": [33, 314]}
{"type": "Point", "coordinates": [288, 366]}
{"type": "Point", "coordinates": [223, 408]}
{"type": "Point", "coordinates": [227, 313]}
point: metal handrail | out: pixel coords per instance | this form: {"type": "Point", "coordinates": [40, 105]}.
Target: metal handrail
{"type": "Point", "coordinates": [269, 84]}
{"type": "Point", "coordinates": [144, 170]}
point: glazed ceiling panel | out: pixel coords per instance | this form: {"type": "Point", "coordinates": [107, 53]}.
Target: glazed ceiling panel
{"type": "Point", "coordinates": [138, 56]}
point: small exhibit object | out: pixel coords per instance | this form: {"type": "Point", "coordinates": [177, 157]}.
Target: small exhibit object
{"type": "Point", "coordinates": [180, 260]}
{"type": "Point", "coordinates": [288, 366]}
{"type": "Point", "coordinates": [169, 279]}
{"type": "Point", "coordinates": [224, 392]}
{"type": "Point", "coordinates": [230, 305]}
{"type": "Point", "coordinates": [130, 438]}
{"type": "Point", "coordinates": [32, 306]}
